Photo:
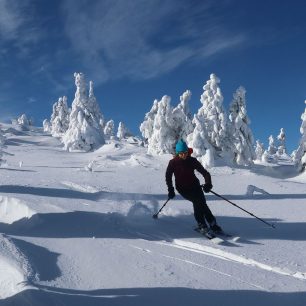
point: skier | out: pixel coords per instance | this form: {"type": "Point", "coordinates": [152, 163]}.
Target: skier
{"type": "Point", "coordinates": [188, 185]}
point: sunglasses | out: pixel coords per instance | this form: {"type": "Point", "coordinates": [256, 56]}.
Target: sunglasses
{"type": "Point", "coordinates": [183, 153]}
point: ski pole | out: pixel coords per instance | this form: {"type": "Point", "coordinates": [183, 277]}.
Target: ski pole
{"type": "Point", "coordinates": [155, 216]}
{"type": "Point", "coordinates": [220, 196]}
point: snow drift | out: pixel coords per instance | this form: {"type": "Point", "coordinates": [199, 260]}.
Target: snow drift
{"type": "Point", "coordinates": [12, 210]}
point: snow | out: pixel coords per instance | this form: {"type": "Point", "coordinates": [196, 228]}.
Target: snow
{"type": "Point", "coordinates": [70, 236]}
{"type": "Point", "coordinates": [12, 210]}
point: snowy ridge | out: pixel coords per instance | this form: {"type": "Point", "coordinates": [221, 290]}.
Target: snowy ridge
{"type": "Point", "coordinates": [209, 251]}
{"type": "Point", "coordinates": [16, 271]}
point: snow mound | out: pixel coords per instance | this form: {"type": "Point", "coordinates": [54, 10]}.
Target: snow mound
{"type": "Point", "coordinates": [12, 210]}
{"type": "Point", "coordinates": [251, 189]}
{"type": "Point", "coordinates": [15, 270]}
{"type": "Point", "coordinates": [140, 160]}
{"type": "Point", "coordinates": [139, 210]}
{"type": "Point", "coordinates": [109, 148]}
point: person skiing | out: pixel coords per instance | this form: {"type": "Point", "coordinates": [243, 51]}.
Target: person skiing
{"type": "Point", "coordinates": [188, 185]}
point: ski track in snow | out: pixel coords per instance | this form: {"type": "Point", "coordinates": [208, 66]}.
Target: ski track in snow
{"type": "Point", "coordinates": [224, 255]}
{"type": "Point", "coordinates": [216, 271]}
{"type": "Point", "coordinates": [166, 240]}
{"type": "Point", "coordinates": [189, 262]}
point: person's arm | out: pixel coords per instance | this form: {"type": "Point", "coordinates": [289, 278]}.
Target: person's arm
{"type": "Point", "coordinates": [169, 174]}
{"type": "Point", "coordinates": [203, 171]}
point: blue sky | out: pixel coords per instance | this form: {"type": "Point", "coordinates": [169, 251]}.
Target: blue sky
{"type": "Point", "coordinates": [136, 51]}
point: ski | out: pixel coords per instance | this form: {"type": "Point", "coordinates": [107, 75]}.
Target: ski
{"type": "Point", "coordinates": [228, 236]}
{"type": "Point", "coordinates": [212, 237]}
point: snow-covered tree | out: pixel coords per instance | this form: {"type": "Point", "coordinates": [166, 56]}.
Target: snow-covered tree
{"type": "Point", "coordinates": [241, 136]}
{"type": "Point", "coordinates": [146, 127]}
{"type": "Point", "coordinates": [299, 156]}
{"type": "Point", "coordinates": [272, 146]}
{"type": "Point", "coordinates": [60, 117]}
{"type": "Point", "coordinates": [163, 138]}
{"type": "Point", "coordinates": [109, 129]}
{"type": "Point", "coordinates": [182, 117]}
{"type": "Point", "coordinates": [197, 140]}
{"type": "Point", "coordinates": [281, 149]}
{"type": "Point", "coordinates": [259, 150]}
{"type": "Point", "coordinates": [270, 155]}
{"type": "Point", "coordinates": [47, 126]}
{"type": "Point", "coordinates": [22, 122]}
{"type": "Point", "coordinates": [123, 131]}
{"type": "Point", "coordinates": [85, 132]}
{"type": "Point", "coordinates": [94, 106]}
{"type": "Point", "coordinates": [213, 115]}
{"type": "Point", "coordinates": [210, 125]}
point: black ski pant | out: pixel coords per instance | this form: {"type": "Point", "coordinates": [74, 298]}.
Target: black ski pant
{"type": "Point", "coordinates": [200, 208]}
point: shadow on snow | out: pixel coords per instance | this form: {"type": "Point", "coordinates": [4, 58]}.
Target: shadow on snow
{"type": "Point", "coordinates": [52, 296]}
{"type": "Point", "coordinates": [84, 224]}
{"type": "Point", "coordinates": [107, 195]}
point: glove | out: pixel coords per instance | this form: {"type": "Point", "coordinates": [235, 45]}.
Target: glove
{"type": "Point", "coordinates": [207, 187]}
{"type": "Point", "coordinates": [171, 193]}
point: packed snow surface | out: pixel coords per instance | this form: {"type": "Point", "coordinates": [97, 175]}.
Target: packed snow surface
{"type": "Point", "coordinates": [77, 229]}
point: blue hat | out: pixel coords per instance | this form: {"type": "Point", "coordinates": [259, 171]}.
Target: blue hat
{"type": "Point", "coordinates": [181, 146]}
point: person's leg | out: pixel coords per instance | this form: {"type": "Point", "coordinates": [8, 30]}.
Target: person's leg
{"type": "Point", "coordinates": [201, 210]}
{"type": "Point", "coordinates": [210, 218]}
{"type": "Point", "coordinates": [197, 207]}
{"type": "Point", "coordinates": [201, 201]}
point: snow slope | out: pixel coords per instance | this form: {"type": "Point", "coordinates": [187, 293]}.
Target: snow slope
{"type": "Point", "coordinates": [77, 229]}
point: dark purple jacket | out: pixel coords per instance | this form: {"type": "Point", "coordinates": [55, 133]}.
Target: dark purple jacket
{"type": "Point", "coordinates": [183, 171]}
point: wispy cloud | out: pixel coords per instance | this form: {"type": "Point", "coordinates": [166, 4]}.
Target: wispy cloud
{"type": "Point", "coordinates": [11, 19]}
{"type": "Point", "coordinates": [143, 39]}
{"type": "Point", "coordinates": [17, 26]}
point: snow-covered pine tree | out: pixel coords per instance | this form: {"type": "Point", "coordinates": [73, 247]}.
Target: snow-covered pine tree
{"type": "Point", "coordinates": [23, 123]}
{"type": "Point", "coordinates": [94, 106]}
{"type": "Point", "coordinates": [272, 147]}
{"type": "Point", "coordinates": [146, 127]}
{"type": "Point", "coordinates": [47, 126]}
{"type": "Point", "coordinates": [213, 115]}
{"type": "Point", "coordinates": [269, 155]}
{"type": "Point", "coordinates": [259, 150]}
{"type": "Point", "coordinates": [182, 117]}
{"type": "Point", "coordinates": [163, 138]}
{"type": "Point", "coordinates": [60, 117]}
{"type": "Point", "coordinates": [241, 136]}
{"type": "Point", "coordinates": [123, 131]}
{"type": "Point", "coordinates": [281, 149]}
{"type": "Point", "coordinates": [85, 132]}
{"type": "Point", "coordinates": [197, 140]}
{"type": "Point", "coordinates": [210, 125]}
{"type": "Point", "coordinates": [299, 156]}
{"type": "Point", "coordinates": [109, 129]}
